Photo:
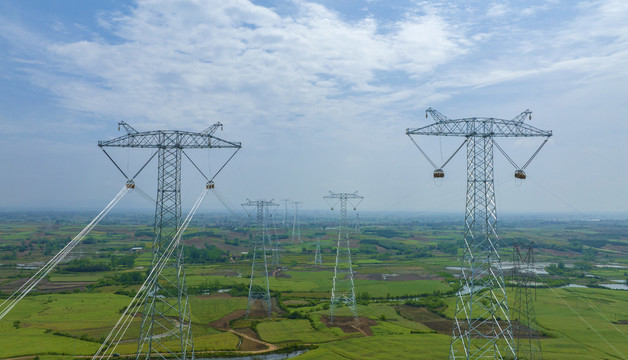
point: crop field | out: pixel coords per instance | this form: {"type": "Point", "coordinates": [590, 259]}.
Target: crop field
{"type": "Point", "coordinates": [405, 278]}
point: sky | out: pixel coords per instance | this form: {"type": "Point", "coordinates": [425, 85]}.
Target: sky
{"type": "Point", "coordinates": [319, 93]}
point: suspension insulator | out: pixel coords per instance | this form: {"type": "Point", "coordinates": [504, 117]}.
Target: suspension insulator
{"type": "Point", "coordinates": [520, 174]}
{"type": "Point", "coordinates": [130, 184]}
{"type": "Point", "coordinates": [439, 173]}
{"type": "Point", "coordinates": [210, 185]}
{"type": "Point", "coordinates": [332, 208]}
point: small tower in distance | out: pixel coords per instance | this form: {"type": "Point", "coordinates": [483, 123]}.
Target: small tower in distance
{"type": "Point", "coordinates": [343, 289]}
{"type": "Point", "coordinates": [318, 259]}
{"type": "Point", "coordinates": [259, 287]}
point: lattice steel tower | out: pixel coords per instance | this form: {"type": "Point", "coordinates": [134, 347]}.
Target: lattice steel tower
{"type": "Point", "coordinates": [275, 246]}
{"type": "Point", "coordinates": [525, 327]}
{"type": "Point", "coordinates": [318, 259]}
{"type": "Point", "coordinates": [259, 287]}
{"type": "Point", "coordinates": [284, 223]}
{"type": "Point", "coordinates": [343, 289]}
{"type": "Point", "coordinates": [482, 327]}
{"type": "Point", "coordinates": [165, 330]}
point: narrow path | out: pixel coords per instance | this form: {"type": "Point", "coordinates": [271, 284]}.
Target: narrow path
{"type": "Point", "coordinates": [271, 347]}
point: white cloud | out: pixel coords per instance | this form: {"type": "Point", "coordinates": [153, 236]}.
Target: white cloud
{"type": "Point", "coordinates": [240, 61]}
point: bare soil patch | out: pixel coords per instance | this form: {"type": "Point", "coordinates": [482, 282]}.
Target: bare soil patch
{"type": "Point", "coordinates": [250, 345]}
{"type": "Point", "coordinates": [223, 323]}
{"type": "Point", "coordinates": [348, 324]}
{"type": "Point", "coordinates": [46, 286]}
{"type": "Point", "coordinates": [433, 321]}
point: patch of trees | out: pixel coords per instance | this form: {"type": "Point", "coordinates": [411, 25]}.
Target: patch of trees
{"type": "Point", "coordinates": [130, 278]}
{"type": "Point", "coordinates": [448, 248]}
{"type": "Point", "coordinates": [85, 265]}
{"type": "Point", "coordinates": [209, 254]}
{"type": "Point", "coordinates": [126, 261]}
{"type": "Point", "coordinates": [432, 303]}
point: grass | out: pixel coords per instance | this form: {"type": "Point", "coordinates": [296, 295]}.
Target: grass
{"type": "Point", "coordinates": [33, 341]}
{"type": "Point", "coordinates": [383, 347]}
{"type": "Point", "coordinates": [579, 323]}
{"type": "Point", "coordinates": [206, 309]}
{"type": "Point", "coordinates": [296, 330]}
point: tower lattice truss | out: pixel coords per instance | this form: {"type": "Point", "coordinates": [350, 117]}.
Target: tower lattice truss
{"type": "Point", "coordinates": [261, 246]}
{"type": "Point", "coordinates": [343, 288]}
{"type": "Point", "coordinates": [525, 327]}
{"type": "Point", "coordinates": [165, 330]}
{"type": "Point", "coordinates": [482, 327]}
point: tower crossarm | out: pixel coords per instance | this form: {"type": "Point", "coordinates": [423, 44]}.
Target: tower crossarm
{"type": "Point", "coordinates": [480, 127]}
{"type": "Point", "coordinates": [169, 139]}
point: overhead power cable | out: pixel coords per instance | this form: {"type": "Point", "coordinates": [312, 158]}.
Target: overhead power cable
{"type": "Point", "coordinates": [31, 283]}
{"type": "Point", "coordinates": [119, 330]}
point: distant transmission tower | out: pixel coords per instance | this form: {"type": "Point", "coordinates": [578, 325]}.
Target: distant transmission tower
{"type": "Point", "coordinates": [482, 327]}
{"type": "Point", "coordinates": [318, 259]}
{"type": "Point", "coordinates": [274, 241]}
{"type": "Point", "coordinates": [259, 287]}
{"type": "Point", "coordinates": [525, 327]}
{"type": "Point", "coordinates": [284, 223]}
{"type": "Point", "coordinates": [296, 225]}
{"type": "Point", "coordinates": [357, 223]}
{"type": "Point", "coordinates": [343, 289]}
{"type": "Point", "coordinates": [165, 330]}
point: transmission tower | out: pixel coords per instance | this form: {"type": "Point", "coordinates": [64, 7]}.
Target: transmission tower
{"type": "Point", "coordinates": [482, 327]}
{"type": "Point", "coordinates": [318, 259]}
{"type": "Point", "coordinates": [284, 223]}
{"type": "Point", "coordinates": [259, 287]}
{"type": "Point", "coordinates": [525, 327]}
{"type": "Point", "coordinates": [343, 289]}
{"type": "Point", "coordinates": [296, 225]}
{"type": "Point", "coordinates": [166, 314]}
{"type": "Point", "coordinates": [274, 242]}
{"type": "Point", "coordinates": [357, 223]}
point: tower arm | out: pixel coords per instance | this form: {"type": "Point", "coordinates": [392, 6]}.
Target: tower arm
{"type": "Point", "coordinates": [129, 129]}
{"type": "Point", "coordinates": [212, 129]}
{"type": "Point", "coordinates": [436, 115]}
{"type": "Point", "coordinates": [481, 127]}
{"type": "Point", "coordinates": [169, 139]}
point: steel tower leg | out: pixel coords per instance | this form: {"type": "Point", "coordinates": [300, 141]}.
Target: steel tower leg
{"type": "Point", "coordinates": [166, 321]}
{"type": "Point", "coordinates": [482, 327]}
{"type": "Point", "coordinates": [343, 290]}
{"type": "Point", "coordinates": [525, 329]}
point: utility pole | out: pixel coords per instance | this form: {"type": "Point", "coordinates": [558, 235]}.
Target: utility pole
{"type": "Point", "coordinates": [166, 314]}
{"type": "Point", "coordinates": [525, 327]}
{"type": "Point", "coordinates": [259, 287]}
{"type": "Point", "coordinates": [343, 289]}
{"type": "Point", "coordinates": [296, 225]}
{"type": "Point", "coordinates": [482, 328]}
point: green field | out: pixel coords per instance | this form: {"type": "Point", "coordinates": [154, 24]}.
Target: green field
{"type": "Point", "coordinates": [78, 304]}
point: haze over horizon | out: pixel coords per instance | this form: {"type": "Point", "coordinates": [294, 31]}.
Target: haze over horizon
{"type": "Point", "coordinates": [319, 93]}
